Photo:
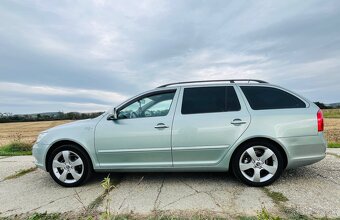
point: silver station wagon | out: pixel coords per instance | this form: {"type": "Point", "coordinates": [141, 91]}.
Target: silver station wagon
{"type": "Point", "coordinates": [250, 127]}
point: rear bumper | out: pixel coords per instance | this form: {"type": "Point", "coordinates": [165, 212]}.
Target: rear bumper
{"type": "Point", "coordinates": [306, 150]}
{"type": "Point", "coordinates": [304, 161]}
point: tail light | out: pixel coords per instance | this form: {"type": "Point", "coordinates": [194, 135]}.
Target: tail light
{"type": "Point", "coordinates": [319, 116]}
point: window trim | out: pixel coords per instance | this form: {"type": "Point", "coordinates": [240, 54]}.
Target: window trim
{"type": "Point", "coordinates": [158, 92]}
{"type": "Point", "coordinates": [274, 87]}
{"type": "Point", "coordinates": [237, 97]}
{"type": "Point", "coordinates": [211, 86]}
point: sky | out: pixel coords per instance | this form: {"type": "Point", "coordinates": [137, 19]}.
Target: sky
{"type": "Point", "coordinates": [91, 55]}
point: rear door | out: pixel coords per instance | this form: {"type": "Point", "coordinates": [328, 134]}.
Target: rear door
{"type": "Point", "coordinates": [208, 120]}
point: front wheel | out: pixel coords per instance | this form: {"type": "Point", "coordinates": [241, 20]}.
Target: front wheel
{"type": "Point", "coordinates": [257, 163]}
{"type": "Point", "coordinates": [69, 166]}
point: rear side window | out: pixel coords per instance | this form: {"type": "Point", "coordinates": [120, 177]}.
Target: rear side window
{"type": "Point", "coordinates": [261, 98]}
{"type": "Point", "coordinates": [209, 100]}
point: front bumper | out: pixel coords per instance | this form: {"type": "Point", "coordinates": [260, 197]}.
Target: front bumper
{"type": "Point", "coordinates": [39, 153]}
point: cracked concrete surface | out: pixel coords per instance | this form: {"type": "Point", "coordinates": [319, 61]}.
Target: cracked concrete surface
{"type": "Point", "coordinates": [11, 165]}
{"type": "Point", "coordinates": [194, 192]}
{"type": "Point", "coordinates": [313, 190]}
{"type": "Point", "coordinates": [36, 192]}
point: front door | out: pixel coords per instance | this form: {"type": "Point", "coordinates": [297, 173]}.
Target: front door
{"type": "Point", "coordinates": [207, 122]}
{"type": "Point", "coordinates": [141, 136]}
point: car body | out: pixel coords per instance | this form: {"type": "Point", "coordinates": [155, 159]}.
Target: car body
{"type": "Point", "coordinates": [191, 126]}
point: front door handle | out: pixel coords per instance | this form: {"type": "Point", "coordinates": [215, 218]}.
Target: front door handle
{"type": "Point", "coordinates": [238, 121]}
{"type": "Point", "coordinates": [161, 125]}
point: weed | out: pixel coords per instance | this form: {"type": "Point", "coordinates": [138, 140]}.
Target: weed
{"type": "Point", "coordinates": [106, 184]}
{"type": "Point", "coordinates": [294, 214]}
{"type": "Point", "coordinates": [275, 196]}
{"type": "Point", "coordinates": [17, 137]}
{"type": "Point", "coordinates": [20, 173]}
{"type": "Point", "coordinates": [247, 218]}
{"type": "Point", "coordinates": [93, 205]}
{"type": "Point", "coordinates": [44, 216]}
{"type": "Point", "coordinates": [265, 215]}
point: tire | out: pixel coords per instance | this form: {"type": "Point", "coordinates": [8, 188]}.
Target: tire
{"type": "Point", "coordinates": [73, 171]}
{"type": "Point", "coordinates": [257, 163]}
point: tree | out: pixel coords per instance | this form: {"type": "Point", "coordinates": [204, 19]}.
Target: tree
{"type": "Point", "coordinates": [322, 105]}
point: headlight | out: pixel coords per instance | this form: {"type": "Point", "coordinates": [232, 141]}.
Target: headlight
{"type": "Point", "coordinates": [40, 136]}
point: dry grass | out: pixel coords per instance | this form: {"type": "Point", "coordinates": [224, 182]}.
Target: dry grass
{"type": "Point", "coordinates": [26, 132]}
{"type": "Point", "coordinates": [332, 130]}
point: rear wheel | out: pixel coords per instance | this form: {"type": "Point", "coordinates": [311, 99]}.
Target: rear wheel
{"type": "Point", "coordinates": [69, 166]}
{"type": "Point", "coordinates": [258, 163]}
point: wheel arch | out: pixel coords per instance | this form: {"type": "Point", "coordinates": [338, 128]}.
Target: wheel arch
{"type": "Point", "coordinates": [65, 142]}
{"type": "Point", "coordinates": [265, 139]}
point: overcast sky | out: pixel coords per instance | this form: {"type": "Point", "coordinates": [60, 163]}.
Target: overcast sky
{"type": "Point", "coordinates": [90, 55]}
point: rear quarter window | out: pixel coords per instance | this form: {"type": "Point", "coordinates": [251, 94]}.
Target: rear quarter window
{"type": "Point", "coordinates": [260, 98]}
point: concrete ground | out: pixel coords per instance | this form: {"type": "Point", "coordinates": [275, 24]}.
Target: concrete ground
{"type": "Point", "coordinates": [313, 191]}
{"type": "Point", "coordinates": [10, 165]}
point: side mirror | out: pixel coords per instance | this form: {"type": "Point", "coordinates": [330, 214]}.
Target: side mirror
{"type": "Point", "coordinates": [113, 115]}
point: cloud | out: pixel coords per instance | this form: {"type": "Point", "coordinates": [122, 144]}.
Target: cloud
{"type": "Point", "coordinates": [21, 95]}
{"type": "Point", "coordinates": [78, 52]}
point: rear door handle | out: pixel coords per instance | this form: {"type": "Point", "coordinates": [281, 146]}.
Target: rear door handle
{"type": "Point", "coordinates": [238, 121]}
{"type": "Point", "coordinates": [161, 125]}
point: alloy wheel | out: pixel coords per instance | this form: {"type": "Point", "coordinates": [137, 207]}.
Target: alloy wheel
{"type": "Point", "coordinates": [258, 164]}
{"type": "Point", "coordinates": [67, 166]}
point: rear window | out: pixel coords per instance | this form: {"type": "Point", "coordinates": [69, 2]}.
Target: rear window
{"type": "Point", "coordinates": [261, 98]}
{"type": "Point", "coordinates": [209, 100]}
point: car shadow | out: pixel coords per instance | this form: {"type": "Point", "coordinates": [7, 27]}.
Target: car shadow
{"type": "Point", "coordinates": [118, 177]}
{"type": "Point", "coordinates": [198, 177]}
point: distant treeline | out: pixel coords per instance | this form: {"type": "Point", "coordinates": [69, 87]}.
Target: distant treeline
{"type": "Point", "coordinates": [324, 106]}
{"type": "Point", "coordinates": [48, 116]}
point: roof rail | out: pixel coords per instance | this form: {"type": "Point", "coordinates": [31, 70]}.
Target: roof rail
{"type": "Point", "coordinates": [218, 80]}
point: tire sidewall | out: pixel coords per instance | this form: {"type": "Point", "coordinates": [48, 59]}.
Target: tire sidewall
{"type": "Point", "coordinates": [239, 151]}
{"type": "Point", "coordinates": [86, 165]}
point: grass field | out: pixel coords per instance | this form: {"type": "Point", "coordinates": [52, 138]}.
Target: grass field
{"type": "Point", "coordinates": [332, 131]}
{"type": "Point", "coordinates": [331, 113]}
{"type": "Point", "coordinates": [21, 135]}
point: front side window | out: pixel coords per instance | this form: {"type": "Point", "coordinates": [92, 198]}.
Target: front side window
{"type": "Point", "coordinates": [261, 98]}
{"type": "Point", "coordinates": [148, 106]}
{"type": "Point", "coordinates": [209, 100]}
